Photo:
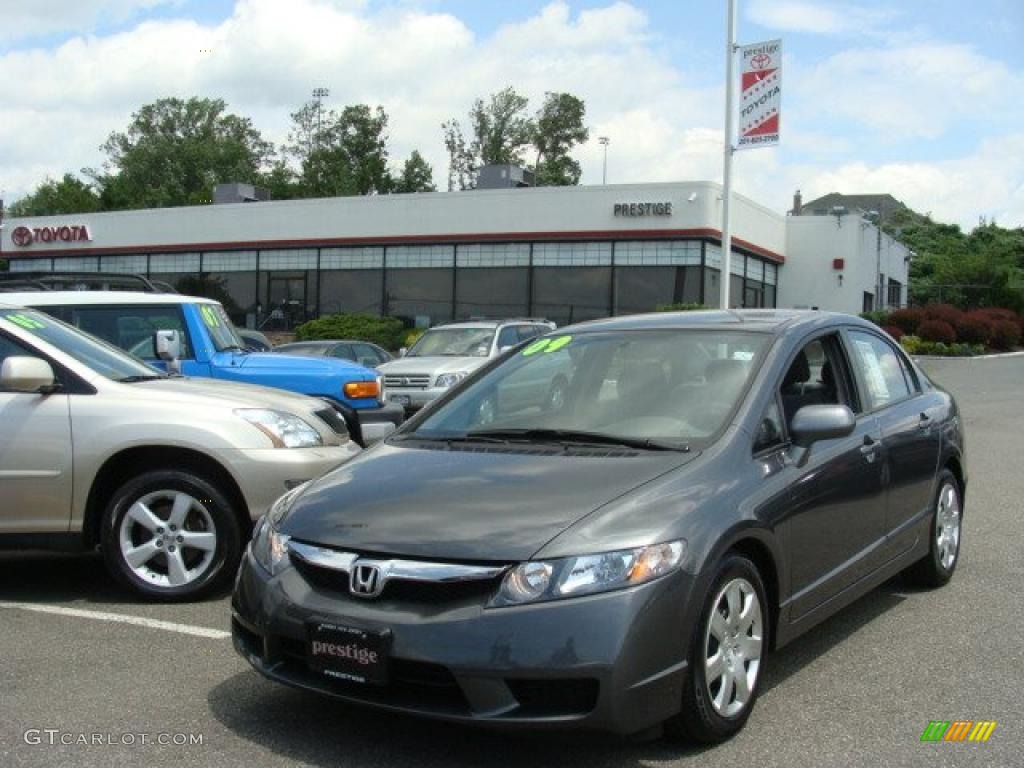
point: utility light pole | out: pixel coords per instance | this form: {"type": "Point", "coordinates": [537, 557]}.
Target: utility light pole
{"type": "Point", "coordinates": [319, 94]}
{"type": "Point", "coordinates": [604, 141]}
{"type": "Point", "coordinates": [730, 85]}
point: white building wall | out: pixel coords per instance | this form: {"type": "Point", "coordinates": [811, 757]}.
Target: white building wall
{"type": "Point", "coordinates": [696, 206]}
{"type": "Point", "coordinates": [809, 278]}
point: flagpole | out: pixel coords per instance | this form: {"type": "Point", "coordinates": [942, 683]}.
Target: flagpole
{"type": "Point", "coordinates": [730, 96]}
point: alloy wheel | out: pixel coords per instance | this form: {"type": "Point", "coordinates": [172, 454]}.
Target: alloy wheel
{"type": "Point", "coordinates": [167, 538]}
{"type": "Point", "coordinates": [947, 526]}
{"type": "Point", "coordinates": [733, 643]}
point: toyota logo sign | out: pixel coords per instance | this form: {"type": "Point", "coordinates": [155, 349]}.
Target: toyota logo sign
{"type": "Point", "coordinates": [21, 236]}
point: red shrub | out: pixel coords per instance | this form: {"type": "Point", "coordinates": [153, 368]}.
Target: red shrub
{"type": "Point", "coordinates": [945, 312]}
{"type": "Point", "coordinates": [996, 313]}
{"type": "Point", "coordinates": [974, 328]}
{"type": "Point", "coordinates": [907, 320]}
{"type": "Point", "coordinates": [1005, 335]}
{"type": "Point", "coordinates": [936, 330]}
{"type": "Point", "coordinates": [895, 331]}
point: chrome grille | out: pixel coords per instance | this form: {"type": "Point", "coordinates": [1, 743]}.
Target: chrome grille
{"type": "Point", "coordinates": [409, 380]}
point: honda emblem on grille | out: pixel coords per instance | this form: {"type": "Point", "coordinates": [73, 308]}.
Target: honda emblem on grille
{"type": "Point", "coordinates": [366, 580]}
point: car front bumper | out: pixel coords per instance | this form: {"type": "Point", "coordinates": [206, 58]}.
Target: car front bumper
{"type": "Point", "coordinates": [264, 474]}
{"type": "Point", "coordinates": [414, 399]}
{"type": "Point", "coordinates": [614, 661]}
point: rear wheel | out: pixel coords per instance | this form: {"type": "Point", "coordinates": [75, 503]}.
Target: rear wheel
{"type": "Point", "coordinates": [726, 654]}
{"type": "Point", "coordinates": [936, 568]}
{"type": "Point", "coordinates": [170, 535]}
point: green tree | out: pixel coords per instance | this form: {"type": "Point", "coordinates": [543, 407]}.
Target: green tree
{"type": "Point", "coordinates": [416, 175]}
{"type": "Point", "coordinates": [69, 195]}
{"type": "Point", "coordinates": [174, 151]}
{"type": "Point", "coordinates": [342, 153]}
{"type": "Point", "coordinates": [558, 128]}
{"type": "Point", "coordinates": [501, 131]}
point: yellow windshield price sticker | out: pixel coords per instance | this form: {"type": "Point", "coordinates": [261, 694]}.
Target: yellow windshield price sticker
{"type": "Point", "coordinates": [26, 322]}
{"type": "Point", "coordinates": [546, 345]}
{"type": "Point", "coordinates": [209, 315]}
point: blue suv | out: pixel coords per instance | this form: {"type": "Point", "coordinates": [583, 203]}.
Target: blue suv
{"type": "Point", "coordinates": [210, 346]}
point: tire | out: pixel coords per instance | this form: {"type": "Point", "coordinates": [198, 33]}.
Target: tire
{"type": "Point", "coordinates": [714, 711]}
{"type": "Point", "coordinates": [945, 534]}
{"type": "Point", "coordinates": [170, 535]}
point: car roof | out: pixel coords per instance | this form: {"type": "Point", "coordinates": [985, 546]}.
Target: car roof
{"type": "Point", "coordinates": [325, 342]}
{"type": "Point", "coordinates": [762, 320]}
{"type": "Point", "coordinates": [60, 298]}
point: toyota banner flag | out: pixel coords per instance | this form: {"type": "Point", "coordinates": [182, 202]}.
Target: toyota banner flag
{"type": "Point", "coordinates": [760, 94]}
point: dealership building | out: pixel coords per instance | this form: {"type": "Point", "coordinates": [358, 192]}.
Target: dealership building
{"type": "Point", "coordinates": [565, 253]}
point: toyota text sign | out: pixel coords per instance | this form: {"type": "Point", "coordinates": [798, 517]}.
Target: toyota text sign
{"type": "Point", "coordinates": [760, 94]}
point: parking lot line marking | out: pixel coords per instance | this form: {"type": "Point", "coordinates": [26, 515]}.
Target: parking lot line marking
{"type": "Point", "coordinates": [139, 621]}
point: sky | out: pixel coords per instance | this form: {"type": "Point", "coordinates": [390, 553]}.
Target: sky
{"type": "Point", "coordinates": [920, 99]}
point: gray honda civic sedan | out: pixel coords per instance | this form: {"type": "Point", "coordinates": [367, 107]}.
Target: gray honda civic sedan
{"type": "Point", "coordinates": [709, 486]}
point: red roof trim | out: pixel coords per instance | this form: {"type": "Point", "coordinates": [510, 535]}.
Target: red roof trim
{"type": "Point", "coordinates": [599, 234]}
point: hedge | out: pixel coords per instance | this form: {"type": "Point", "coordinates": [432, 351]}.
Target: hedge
{"type": "Point", "coordinates": [388, 332]}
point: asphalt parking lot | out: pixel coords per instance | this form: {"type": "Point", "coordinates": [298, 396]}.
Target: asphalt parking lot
{"type": "Point", "coordinates": [859, 690]}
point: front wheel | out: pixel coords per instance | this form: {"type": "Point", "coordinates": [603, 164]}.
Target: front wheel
{"type": "Point", "coordinates": [726, 654]}
{"type": "Point", "coordinates": [170, 535]}
{"type": "Point", "coordinates": [936, 568]}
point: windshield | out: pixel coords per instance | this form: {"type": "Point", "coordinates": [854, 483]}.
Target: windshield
{"type": "Point", "coordinates": [219, 325]}
{"type": "Point", "coordinates": [106, 359]}
{"type": "Point", "coordinates": [453, 342]}
{"type": "Point", "coordinates": [675, 387]}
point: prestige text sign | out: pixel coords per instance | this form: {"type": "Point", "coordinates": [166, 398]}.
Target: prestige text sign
{"type": "Point", "coordinates": [643, 209]}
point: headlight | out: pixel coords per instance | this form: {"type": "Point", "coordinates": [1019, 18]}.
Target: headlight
{"type": "Point", "coordinates": [269, 545]}
{"type": "Point", "coordinates": [284, 429]}
{"type": "Point", "coordinates": [446, 380]}
{"type": "Point", "coordinates": [587, 574]}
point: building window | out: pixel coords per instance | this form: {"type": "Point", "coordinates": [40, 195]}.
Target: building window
{"type": "Point", "coordinates": [868, 303]}
{"type": "Point", "coordinates": [651, 253]}
{"type": "Point", "coordinates": [293, 258]}
{"type": "Point", "coordinates": [570, 295]}
{"type": "Point", "coordinates": [77, 264]}
{"type": "Point", "coordinates": [420, 257]}
{"type": "Point", "coordinates": [493, 255]}
{"type": "Point", "coordinates": [572, 254]}
{"type": "Point", "coordinates": [31, 265]}
{"type": "Point", "coordinates": [491, 291]}
{"type": "Point", "coordinates": [895, 298]}
{"type": "Point", "coordinates": [351, 291]}
{"type": "Point", "coordinates": [135, 265]}
{"type": "Point", "coordinates": [420, 296]}
{"type": "Point", "coordinates": [642, 289]}
{"type": "Point", "coordinates": [237, 261]}
{"type": "Point", "coordinates": [351, 258]}
{"type": "Point", "coordinates": [173, 263]}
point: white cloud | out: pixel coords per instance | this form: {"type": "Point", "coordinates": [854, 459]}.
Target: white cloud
{"type": "Point", "coordinates": [25, 19]}
{"type": "Point", "coordinates": [817, 17]}
{"type": "Point", "coordinates": [424, 67]}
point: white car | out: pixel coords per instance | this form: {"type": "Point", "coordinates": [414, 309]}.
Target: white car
{"type": "Point", "coordinates": [446, 354]}
{"type": "Point", "coordinates": [163, 473]}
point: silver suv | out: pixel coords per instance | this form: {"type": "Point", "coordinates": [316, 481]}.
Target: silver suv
{"type": "Point", "coordinates": [163, 473]}
{"type": "Point", "coordinates": [446, 354]}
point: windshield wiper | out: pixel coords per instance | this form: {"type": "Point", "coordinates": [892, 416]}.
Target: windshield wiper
{"type": "Point", "coordinates": [578, 437]}
{"type": "Point", "coordinates": [140, 377]}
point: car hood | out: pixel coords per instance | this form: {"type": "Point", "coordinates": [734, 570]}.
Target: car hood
{"type": "Point", "coordinates": [203, 391]}
{"type": "Point", "coordinates": [464, 505]}
{"type": "Point", "coordinates": [431, 365]}
{"type": "Point", "coordinates": [300, 364]}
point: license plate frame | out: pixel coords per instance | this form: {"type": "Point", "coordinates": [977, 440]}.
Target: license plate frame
{"type": "Point", "coordinates": [347, 653]}
{"type": "Point", "coordinates": [400, 399]}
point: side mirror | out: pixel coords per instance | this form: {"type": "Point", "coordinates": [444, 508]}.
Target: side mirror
{"type": "Point", "coordinates": [167, 345]}
{"type": "Point", "coordinates": [402, 351]}
{"type": "Point", "coordinates": [26, 374]}
{"type": "Point", "coordinates": [503, 350]}
{"type": "Point", "coordinates": [821, 422]}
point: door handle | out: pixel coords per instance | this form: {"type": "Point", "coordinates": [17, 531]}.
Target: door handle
{"type": "Point", "coordinates": [925, 421]}
{"type": "Point", "coordinates": [869, 448]}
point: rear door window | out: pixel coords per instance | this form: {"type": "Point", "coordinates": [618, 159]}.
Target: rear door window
{"type": "Point", "coordinates": [131, 328]}
{"type": "Point", "coordinates": [879, 370]}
